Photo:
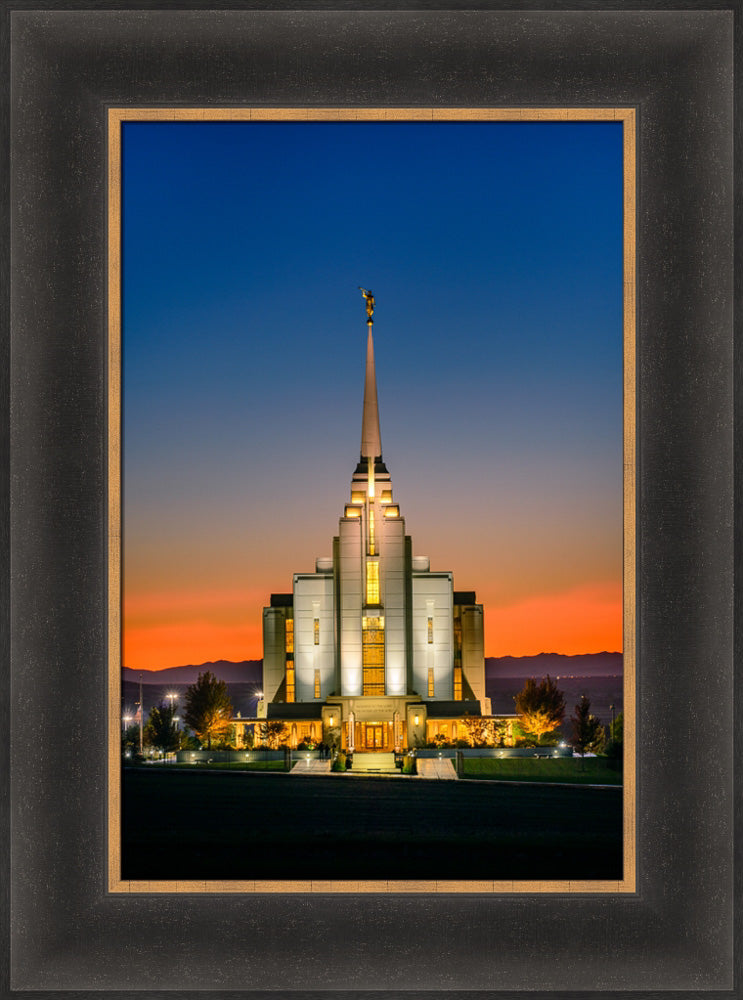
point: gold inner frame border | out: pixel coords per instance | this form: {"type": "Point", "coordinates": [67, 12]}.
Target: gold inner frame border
{"type": "Point", "coordinates": [116, 117]}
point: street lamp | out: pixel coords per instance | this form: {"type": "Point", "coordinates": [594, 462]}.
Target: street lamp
{"type": "Point", "coordinates": [611, 707]}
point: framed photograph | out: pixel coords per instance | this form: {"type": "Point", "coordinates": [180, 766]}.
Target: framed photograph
{"type": "Point", "coordinates": [374, 666]}
{"type": "Point", "coordinates": [88, 89]}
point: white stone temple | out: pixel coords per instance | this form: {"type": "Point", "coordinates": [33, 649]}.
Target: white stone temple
{"type": "Point", "coordinates": [374, 650]}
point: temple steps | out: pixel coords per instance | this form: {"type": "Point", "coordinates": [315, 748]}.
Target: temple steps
{"type": "Point", "coordinates": [374, 763]}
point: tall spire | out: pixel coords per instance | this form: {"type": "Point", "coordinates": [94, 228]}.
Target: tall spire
{"type": "Point", "coordinates": [371, 439]}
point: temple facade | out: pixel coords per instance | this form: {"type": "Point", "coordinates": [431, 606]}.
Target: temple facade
{"type": "Point", "coordinates": [374, 650]}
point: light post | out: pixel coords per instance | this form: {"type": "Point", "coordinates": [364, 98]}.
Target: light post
{"type": "Point", "coordinates": [611, 707]}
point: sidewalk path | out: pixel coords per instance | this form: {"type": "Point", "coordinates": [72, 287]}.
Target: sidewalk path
{"type": "Point", "coordinates": [311, 768]}
{"type": "Point", "coordinates": [436, 768]}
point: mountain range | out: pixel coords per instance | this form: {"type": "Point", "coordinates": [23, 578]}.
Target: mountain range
{"type": "Point", "coordinates": [555, 664]}
{"type": "Point", "coordinates": [249, 671]}
{"type": "Point", "coordinates": [244, 672]}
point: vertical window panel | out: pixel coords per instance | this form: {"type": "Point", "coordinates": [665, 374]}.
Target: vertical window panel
{"type": "Point", "coordinates": [372, 654]}
{"type": "Point", "coordinates": [372, 583]}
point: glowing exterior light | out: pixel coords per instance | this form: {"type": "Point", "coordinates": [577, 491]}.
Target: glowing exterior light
{"type": "Point", "coordinates": [331, 720]}
{"type": "Point", "coordinates": [352, 511]}
{"type": "Point", "coordinates": [392, 511]}
{"type": "Point", "coordinates": [417, 720]}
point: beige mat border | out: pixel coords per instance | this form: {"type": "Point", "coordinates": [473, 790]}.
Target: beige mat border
{"type": "Point", "coordinates": [116, 116]}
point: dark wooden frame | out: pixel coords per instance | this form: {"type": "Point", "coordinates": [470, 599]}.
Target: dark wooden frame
{"type": "Point", "coordinates": [69, 62]}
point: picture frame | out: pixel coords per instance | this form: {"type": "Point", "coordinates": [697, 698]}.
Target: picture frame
{"type": "Point", "coordinates": [65, 67]}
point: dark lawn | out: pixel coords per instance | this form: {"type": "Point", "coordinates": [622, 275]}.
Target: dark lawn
{"type": "Point", "coordinates": [224, 824]}
{"type": "Point", "coordinates": [592, 770]}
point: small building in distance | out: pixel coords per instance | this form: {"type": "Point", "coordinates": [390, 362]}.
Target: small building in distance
{"type": "Point", "coordinates": [374, 651]}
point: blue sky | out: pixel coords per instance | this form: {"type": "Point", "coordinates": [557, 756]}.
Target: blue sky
{"type": "Point", "coordinates": [494, 253]}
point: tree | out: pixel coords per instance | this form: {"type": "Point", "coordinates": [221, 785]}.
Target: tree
{"type": "Point", "coordinates": [485, 732]}
{"type": "Point", "coordinates": [130, 743]}
{"type": "Point", "coordinates": [541, 707]}
{"type": "Point", "coordinates": [588, 733]}
{"type": "Point", "coordinates": [160, 730]}
{"type": "Point", "coordinates": [208, 708]}
{"type": "Point", "coordinates": [272, 734]}
{"type": "Point", "coordinates": [615, 745]}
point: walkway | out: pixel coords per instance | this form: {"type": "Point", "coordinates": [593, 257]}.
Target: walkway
{"type": "Point", "coordinates": [437, 768]}
{"type": "Point", "coordinates": [311, 768]}
{"type": "Point", "coordinates": [370, 764]}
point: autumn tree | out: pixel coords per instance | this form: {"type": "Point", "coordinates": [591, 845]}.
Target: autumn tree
{"type": "Point", "coordinates": [208, 708]}
{"type": "Point", "coordinates": [485, 732]}
{"type": "Point", "coordinates": [160, 730]}
{"type": "Point", "coordinates": [541, 707]}
{"type": "Point", "coordinates": [588, 733]}
{"type": "Point", "coordinates": [272, 734]}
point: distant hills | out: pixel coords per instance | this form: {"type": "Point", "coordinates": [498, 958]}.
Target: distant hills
{"type": "Point", "coordinates": [554, 664]}
{"type": "Point", "coordinates": [244, 672]}
{"type": "Point", "coordinates": [249, 671]}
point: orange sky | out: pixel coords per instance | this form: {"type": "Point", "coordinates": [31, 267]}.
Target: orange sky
{"type": "Point", "coordinates": [173, 628]}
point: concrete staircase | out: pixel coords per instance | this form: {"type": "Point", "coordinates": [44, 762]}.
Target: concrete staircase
{"type": "Point", "coordinates": [374, 763]}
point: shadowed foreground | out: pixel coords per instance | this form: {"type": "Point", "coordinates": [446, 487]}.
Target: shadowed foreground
{"type": "Point", "coordinates": [229, 825]}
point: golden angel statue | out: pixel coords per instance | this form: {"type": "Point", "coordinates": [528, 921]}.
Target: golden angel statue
{"type": "Point", "coordinates": [368, 295]}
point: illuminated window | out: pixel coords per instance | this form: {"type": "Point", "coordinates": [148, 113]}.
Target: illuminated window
{"type": "Point", "coordinates": [372, 583]}
{"type": "Point", "coordinates": [317, 631]}
{"type": "Point", "coordinates": [457, 684]}
{"type": "Point", "coordinates": [372, 647]}
{"type": "Point", "coordinates": [357, 496]}
{"type": "Point", "coordinates": [386, 496]}
{"type": "Point", "coordinates": [430, 682]}
{"type": "Point", "coordinates": [430, 629]}
{"type": "Point", "coordinates": [393, 511]}
{"type": "Point", "coordinates": [289, 651]}
{"type": "Point", "coordinates": [352, 511]}
{"type": "Point", "coordinates": [289, 635]}
{"type": "Point", "coordinates": [372, 550]}
{"type": "Point", "coordinates": [317, 683]}
{"type": "Point", "coordinates": [457, 641]}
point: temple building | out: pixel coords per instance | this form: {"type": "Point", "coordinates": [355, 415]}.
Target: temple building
{"type": "Point", "coordinates": [374, 650]}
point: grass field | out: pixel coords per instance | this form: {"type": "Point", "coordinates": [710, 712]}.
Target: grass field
{"type": "Point", "coordinates": [207, 824]}
{"type": "Point", "coordinates": [593, 770]}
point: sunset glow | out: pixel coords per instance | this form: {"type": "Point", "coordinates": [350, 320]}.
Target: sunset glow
{"type": "Point", "coordinates": [498, 339]}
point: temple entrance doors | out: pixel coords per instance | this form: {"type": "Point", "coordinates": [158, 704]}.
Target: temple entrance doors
{"type": "Point", "coordinates": [368, 737]}
{"type": "Point", "coordinates": [374, 736]}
